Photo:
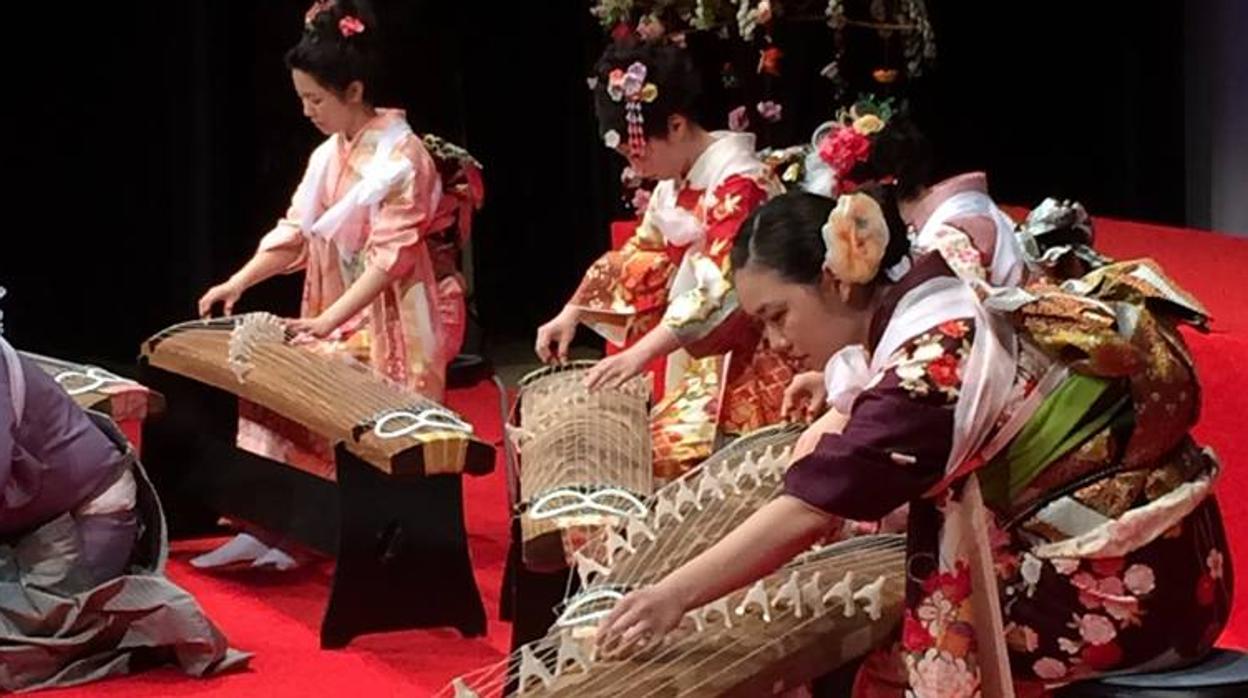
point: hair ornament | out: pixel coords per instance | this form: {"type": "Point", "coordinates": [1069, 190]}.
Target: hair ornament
{"type": "Point", "coordinates": [316, 9]}
{"type": "Point", "coordinates": [856, 237]}
{"type": "Point", "coordinates": [630, 86]}
{"type": "Point", "coordinates": [848, 142]}
{"type": "Point", "coordinates": [349, 26]}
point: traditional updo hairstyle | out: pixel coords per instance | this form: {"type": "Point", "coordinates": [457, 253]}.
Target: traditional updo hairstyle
{"type": "Point", "coordinates": [900, 153]}
{"type": "Point", "coordinates": [785, 235]}
{"type": "Point", "coordinates": [678, 87]}
{"type": "Point", "coordinates": [340, 45]}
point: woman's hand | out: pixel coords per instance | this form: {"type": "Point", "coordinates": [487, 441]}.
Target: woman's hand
{"type": "Point", "coordinates": [227, 294]}
{"type": "Point", "coordinates": [639, 621]}
{"type": "Point", "coordinates": [805, 398]}
{"type": "Point", "coordinates": [830, 423]}
{"type": "Point", "coordinates": [316, 327]}
{"type": "Point", "coordinates": [614, 371]}
{"type": "Point", "coordinates": [558, 332]}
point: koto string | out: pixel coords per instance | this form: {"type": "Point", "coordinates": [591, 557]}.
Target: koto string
{"type": "Point", "coordinates": [869, 561]}
{"type": "Point", "coordinates": [888, 553]}
{"type": "Point", "coordinates": [723, 516]}
{"type": "Point", "coordinates": [738, 449]}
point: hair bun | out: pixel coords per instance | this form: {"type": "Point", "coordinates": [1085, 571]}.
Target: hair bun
{"type": "Point", "coordinates": [340, 20]}
{"type": "Point", "coordinates": [340, 45]}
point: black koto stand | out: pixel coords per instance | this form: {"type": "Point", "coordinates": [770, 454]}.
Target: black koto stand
{"type": "Point", "coordinates": [400, 542]}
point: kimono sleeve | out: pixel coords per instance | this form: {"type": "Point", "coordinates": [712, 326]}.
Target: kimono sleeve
{"type": "Point", "coordinates": [396, 241]}
{"type": "Point", "coordinates": [698, 312]}
{"type": "Point", "coordinates": [288, 235]}
{"type": "Point", "coordinates": [899, 435]}
{"type": "Point", "coordinates": [633, 279]}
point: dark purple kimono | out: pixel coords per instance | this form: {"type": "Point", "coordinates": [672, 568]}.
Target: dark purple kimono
{"type": "Point", "coordinates": [1159, 605]}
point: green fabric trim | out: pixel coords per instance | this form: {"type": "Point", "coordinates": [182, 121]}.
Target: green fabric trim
{"type": "Point", "coordinates": [1075, 411]}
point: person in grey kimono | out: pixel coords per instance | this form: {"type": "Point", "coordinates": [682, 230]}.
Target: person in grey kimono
{"type": "Point", "coordinates": [82, 549]}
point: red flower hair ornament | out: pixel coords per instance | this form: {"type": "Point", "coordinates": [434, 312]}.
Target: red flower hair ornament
{"type": "Point", "coordinates": [350, 26]}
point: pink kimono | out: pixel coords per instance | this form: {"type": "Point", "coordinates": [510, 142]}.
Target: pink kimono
{"type": "Point", "coordinates": [367, 201]}
{"type": "Point", "coordinates": [957, 218]}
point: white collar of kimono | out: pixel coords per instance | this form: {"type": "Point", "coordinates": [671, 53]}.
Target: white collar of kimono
{"type": "Point", "coordinates": [377, 178]}
{"type": "Point", "coordinates": [730, 154]}
{"type": "Point", "coordinates": [988, 375]}
{"type": "Point", "coordinates": [1006, 268]}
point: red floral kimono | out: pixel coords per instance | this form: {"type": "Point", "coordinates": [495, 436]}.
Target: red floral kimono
{"type": "Point", "coordinates": [675, 270]}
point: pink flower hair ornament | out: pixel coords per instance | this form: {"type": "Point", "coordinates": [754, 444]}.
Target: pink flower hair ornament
{"type": "Point", "coordinates": [350, 26]}
{"type": "Point", "coordinates": [630, 86]}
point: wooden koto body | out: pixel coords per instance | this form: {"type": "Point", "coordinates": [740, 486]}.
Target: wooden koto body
{"type": "Point", "coordinates": [339, 399]}
{"type": "Point", "coordinates": [585, 460]}
{"type": "Point", "coordinates": [818, 613]}
{"type": "Point", "coordinates": [688, 515]}
{"type": "Point", "coordinates": [809, 618]}
{"type": "Point", "coordinates": [94, 388]}
{"type": "Point", "coordinates": [392, 514]}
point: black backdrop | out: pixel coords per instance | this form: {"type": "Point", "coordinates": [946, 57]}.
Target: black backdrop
{"type": "Point", "coordinates": [154, 142]}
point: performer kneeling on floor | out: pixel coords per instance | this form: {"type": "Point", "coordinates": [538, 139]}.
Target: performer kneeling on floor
{"type": "Point", "coordinates": [82, 549]}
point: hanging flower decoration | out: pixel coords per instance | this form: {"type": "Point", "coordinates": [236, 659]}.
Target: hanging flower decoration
{"type": "Point", "coordinates": [611, 13]}
{"type": "Point", "coordinates": [749, 19]}
{"type": "Point", "coordinates": [884, 76]}
{"type": "Point", "coordinates": [760, 27]}
{"type": "Point", "coordinates": [764, 12]}
{"type": "Point", "coordinates": [350, 26]}
{"type": "Point", "coordinates": [769, 60]}
{"type": "Point", "coordinates": [611, 139]}
{"type": "Point", "coordinates": [903, 22]}
{"type": "Point", "coordinates": [770, 111]}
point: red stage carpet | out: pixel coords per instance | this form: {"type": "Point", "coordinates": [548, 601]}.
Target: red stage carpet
{"type": "Point", "coordinates": [277, 618]}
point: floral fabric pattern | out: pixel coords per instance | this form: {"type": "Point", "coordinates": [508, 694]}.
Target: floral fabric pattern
{"type": "Point", "coordinates": [1150, 602]}
{"type": "Point", "coordinates": [734, 382]}
{"type": "Point", "coordinates": [1071, 618]}
{"type": "Point", "coordinates": [931, 364]}
{"type": "Point", "coordinates": [960, 253]}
